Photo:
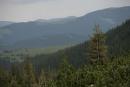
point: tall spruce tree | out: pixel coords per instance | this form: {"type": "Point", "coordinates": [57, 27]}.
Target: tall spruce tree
{"type": "Point", "coordinates": [97, 48]}
{"type": "Point", "coordinates": [29, 79]}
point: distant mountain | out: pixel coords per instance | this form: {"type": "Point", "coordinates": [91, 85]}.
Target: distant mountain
{"type": "Point", "coordinates": [57, 20]}
{"type": "Point", "coordinates": [5, 23]}
{"type": "Point", "coordinates": [71, 30]}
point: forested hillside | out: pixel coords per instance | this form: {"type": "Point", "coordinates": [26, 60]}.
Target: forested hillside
{"type": "Point", "coordinates": [64, 43]}
{"type": "Point", "coordinates": [117, 40]}
{"type": "Point", "coordinates": [100, 68]}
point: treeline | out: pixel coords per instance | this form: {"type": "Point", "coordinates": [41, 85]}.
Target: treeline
{"type": "Point", "coordinates": [115, 73]}
{"type": "Point", "coordinates": [99, 71]}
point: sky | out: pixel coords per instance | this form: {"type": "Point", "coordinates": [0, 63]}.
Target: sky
{"type": "Point", "coordinates": [29, 10]}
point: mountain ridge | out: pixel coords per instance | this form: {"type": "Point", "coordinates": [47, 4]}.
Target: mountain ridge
{"type": "Point", "coordinates": [79, 26]}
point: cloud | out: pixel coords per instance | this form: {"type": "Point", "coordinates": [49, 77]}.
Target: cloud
{"type": "Point", "coordinates": [26, 10]}
{"type": "Point", "coordinates": [21, 1]}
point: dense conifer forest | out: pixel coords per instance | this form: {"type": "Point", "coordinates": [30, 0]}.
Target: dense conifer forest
{"type": "Point", "coordinates": [102, 61]}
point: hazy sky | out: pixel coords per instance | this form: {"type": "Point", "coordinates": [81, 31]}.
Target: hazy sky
{"type": "Point", "coordinates": [27, 10]}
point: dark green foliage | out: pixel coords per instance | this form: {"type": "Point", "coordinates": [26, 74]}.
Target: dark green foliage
{"type": "Point", "coordinates": [118, 40]}
{"type": "Point", "coordinates": [15, 77]}
{"type": "Point", "coordinates": [42, 81]}
{"type": "Point", "coordinates": [65, 75]}
{"type": "Point", "coordinates": [45, 81]}
{"type": "Point", "coordinates": [14, 83]}
{"type": "Point", "coordinates": [4, 78]}
{"type": "Point", "coordinates": [29, 79]}
{"type": "Point", "coordinates": [115, 73]}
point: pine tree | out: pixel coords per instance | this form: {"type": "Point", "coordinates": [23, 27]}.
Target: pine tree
{"type": "Point", "coordinates": [29, 79]}
{"type": "Point", "coordinates": [16, 74]}
{"type": "Point", "coordinates": [4, 78]}
{"type": "Point", "coordinates": [14, 83]}
{"type": "Point", "coordinates": [65, 75]}
{"type": "Point", "coordinates": [51, 83]}
{"type": "Point", "coordinates": [42, 80]}
{"type": "Point", "coordinates": [97, 48]}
